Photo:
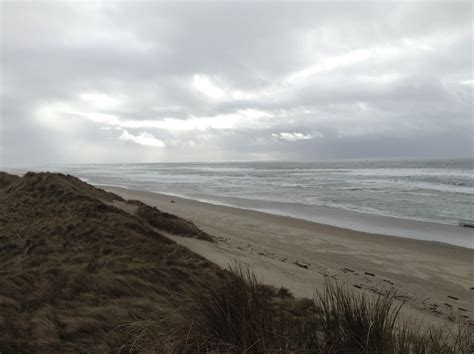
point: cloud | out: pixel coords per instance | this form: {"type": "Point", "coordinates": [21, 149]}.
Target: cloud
{"type": "Point", "coordinates": [204, 85]}
{"type": "Point", "coordinates": [56, 114]}
{"type": "Point", "coordinates": [331, 63]}
{"type": "Point", "coordinates": [291, 137]}
{"type": "Point", "coordinates": [236, 79]}
{"type": "Point", "coordinates": [143, 138]}
{"type": "Point", "coordinates": [99, 100]}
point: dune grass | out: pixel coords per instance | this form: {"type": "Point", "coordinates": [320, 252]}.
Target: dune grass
{"type": "Point", "coordinates": [168, 222]}
{"type": "Point", "coordinates": [353, 322]}
{"type": "Point", "coordinates": [74, 267]}
{"type": "Point", "coordinates": [81, 275]}
{"type": "Point", "coordinates": [240, 315]}
{"type": "Point", "coordinates": [237, 315]}
{"type": "Point", "coordinates": [243, 316]}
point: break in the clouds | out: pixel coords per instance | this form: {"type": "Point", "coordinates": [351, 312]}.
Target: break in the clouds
{"type": "Point", "coordinates": [130, 82]}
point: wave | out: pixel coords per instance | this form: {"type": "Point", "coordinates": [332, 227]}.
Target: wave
{"type": "Point", "coordinates": [443, 193]}
{"type": "Point", "coordinates": [109, 185]}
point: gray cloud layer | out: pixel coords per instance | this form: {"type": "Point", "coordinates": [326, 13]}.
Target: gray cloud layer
{"type": "Point", "coordinates": [130, 82]}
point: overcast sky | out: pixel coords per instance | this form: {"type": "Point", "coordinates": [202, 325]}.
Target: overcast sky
{"type": "Point", "coordinates": [149, 82]}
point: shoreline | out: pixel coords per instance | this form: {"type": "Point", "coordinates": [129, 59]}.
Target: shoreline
{"type": "Point", "coordinates": [327, 227]}
{"type": "Point", "coordinates": [374, 222]}
{"type": "Point", "coordinates": [353, 215]}
{"type": "Point", "coordinates": [433, 279]}
{"type": "Point", "coordinates": [382, 225]}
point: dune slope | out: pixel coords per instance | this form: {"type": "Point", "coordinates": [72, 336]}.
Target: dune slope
{"type": "Point", "coordinates": [76, 266]}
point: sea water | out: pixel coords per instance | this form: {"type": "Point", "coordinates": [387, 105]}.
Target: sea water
{"type": "Point", "coordinates": [439, 191]}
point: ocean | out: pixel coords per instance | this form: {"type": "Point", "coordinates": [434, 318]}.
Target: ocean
{"type": "Point", "coordinates": [431, 190]}
{"type": "Point", "coordinates": [439, 191]}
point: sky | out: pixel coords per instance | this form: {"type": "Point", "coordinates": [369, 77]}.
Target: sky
{"type": "Point", "coordinates": [124, 81]}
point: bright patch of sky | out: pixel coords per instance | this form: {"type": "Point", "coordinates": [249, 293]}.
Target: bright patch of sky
{"type": "Point", "coordinates": [124, 81]}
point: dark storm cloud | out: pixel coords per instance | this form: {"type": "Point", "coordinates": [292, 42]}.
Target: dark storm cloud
{"type": "Point", "coordinates": [124, 81]}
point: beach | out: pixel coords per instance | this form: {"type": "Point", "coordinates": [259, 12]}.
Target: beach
{"type": "Point", "coordinates": [117, 269]}
{"type": "Point", "coordinates": [237, 177]}
{"type": "Point", "coordinates": [434, 280]}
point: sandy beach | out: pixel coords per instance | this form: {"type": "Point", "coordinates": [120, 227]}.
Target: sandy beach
{"type": "Point", "coordinates": [434, 280]}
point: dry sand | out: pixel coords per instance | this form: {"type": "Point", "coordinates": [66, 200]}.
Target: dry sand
{"type": "Point", "coordinates": [434, 280]}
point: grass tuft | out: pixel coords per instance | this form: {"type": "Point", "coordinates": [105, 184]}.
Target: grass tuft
{"type": "Point", "coordinates": [351, 321]}
{"type": "Point", "coordinates": [241, 315]}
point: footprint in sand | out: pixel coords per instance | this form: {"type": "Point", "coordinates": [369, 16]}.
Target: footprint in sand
{"type": "Point", "coordinates": [402, 297]}
{"type": "Point", "coordinates": [301, 264]}
{"type": "Point", "coordinates": [346, 270]}
{"type": "Point", "coordinates": [376, 291]}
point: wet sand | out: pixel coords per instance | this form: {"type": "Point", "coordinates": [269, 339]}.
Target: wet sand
{"type": "Point", "coordinates": [434, 280]}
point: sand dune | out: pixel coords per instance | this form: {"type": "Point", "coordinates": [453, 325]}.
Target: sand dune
{"type": "Point", "coordinates": [434, 280]}
{"type": "Point", "coordinates": [87, 270]}
{"type": "Point", "coordinates": [76, 270]}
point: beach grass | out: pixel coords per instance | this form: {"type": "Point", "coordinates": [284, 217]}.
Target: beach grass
{"type": "Point", "coordinates": [80, 273]}
{"type": "Point", "coordinates": [353, 322]}
{"type": "Point", "coordinates": [242, 316]}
